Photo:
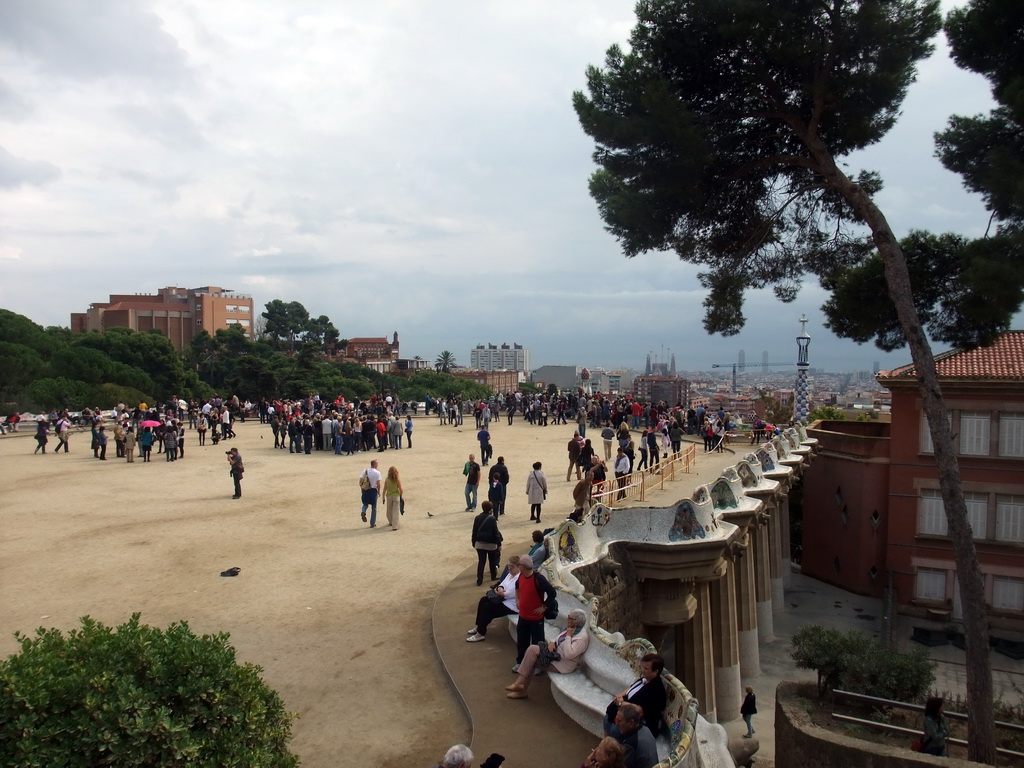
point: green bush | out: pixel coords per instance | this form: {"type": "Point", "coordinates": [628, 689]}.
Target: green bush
{"type": "Point", "coordinates": [856, 663]}
{"type": "Point", "coordinates": [137, 696]}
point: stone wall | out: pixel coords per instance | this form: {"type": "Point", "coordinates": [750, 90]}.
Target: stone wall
{"type": "Point", "coordinates": [799, 742]}
{"type": "Point", "coordinates": [613, 579]}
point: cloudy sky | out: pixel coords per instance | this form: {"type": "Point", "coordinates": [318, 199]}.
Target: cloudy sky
{"type": "Point", "coordinates": [398, 166]}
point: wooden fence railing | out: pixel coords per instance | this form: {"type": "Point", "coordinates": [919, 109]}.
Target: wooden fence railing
{"type": "Point", "coordinates": [635, 485]}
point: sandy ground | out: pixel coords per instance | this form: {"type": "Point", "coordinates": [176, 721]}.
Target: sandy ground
{"type": "Point", "coordinates": [337, 614]}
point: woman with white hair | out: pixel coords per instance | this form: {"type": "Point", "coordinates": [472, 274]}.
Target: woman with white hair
{"type": "Point", "coordinates": [458, 756]}
{"type": "Point", "coordinates": [562, 655]}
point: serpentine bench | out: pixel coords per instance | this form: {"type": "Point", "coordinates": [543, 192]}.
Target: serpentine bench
{"type": "Point", "coordinates": [609, 666]}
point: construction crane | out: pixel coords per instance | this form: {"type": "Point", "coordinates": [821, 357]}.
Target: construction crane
{"type": "Point", "coordinates": [748, 365]}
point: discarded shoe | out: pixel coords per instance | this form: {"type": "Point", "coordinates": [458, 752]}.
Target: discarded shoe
{"type": "Point", "coordinates": [231, 571]}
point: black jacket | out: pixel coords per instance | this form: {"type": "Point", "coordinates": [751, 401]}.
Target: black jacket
{"type": "Point", "coordinates": [485, 529]}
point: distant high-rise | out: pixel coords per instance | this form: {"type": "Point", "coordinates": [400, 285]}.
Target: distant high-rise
{"type": "Point", "coordinates": [875, 367]}
{"type": "Point", "coordinates": [764, 361]}
{"type": "Point", "coordinates": [504, 358]}
{"type": "Point", "coordinates": [647, 371]}
{"type": "Point", "coordinates": [742, 360]}
{"type": "Point", "coordinates": [672, 367]}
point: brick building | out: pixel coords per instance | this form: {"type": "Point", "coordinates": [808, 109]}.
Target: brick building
{"type": "Point", "coordinates": [501, 382]}
{"type": "Point", "coordinates": [373, 351]}
{"type": "Point", "coordinates": [872, 508]}
{"type": "Point", "coordinates": [178, 313]}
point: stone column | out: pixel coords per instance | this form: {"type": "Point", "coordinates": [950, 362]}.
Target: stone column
{"type": "Point", "coordinates": [785, 558]}
{"type": "Point", "coordinates": [762, 581]}
{"type": "Point", "coordinates": [774, 532]}
{"type": "Point", "coordinates": [746, 612]}
{"type": "Point", "coordinates": [726, 643]}
{"type": "Point", "coordinates": [695, 655]}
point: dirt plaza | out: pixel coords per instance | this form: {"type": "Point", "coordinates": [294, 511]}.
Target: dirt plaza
{"type": "Point", "coordinates": [336, 613]}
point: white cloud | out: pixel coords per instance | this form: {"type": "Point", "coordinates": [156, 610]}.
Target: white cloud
{"type": "Point", "coordinates": [403, 166]}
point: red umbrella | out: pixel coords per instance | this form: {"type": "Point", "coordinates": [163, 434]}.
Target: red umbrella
{"type": "Point", "coordinates": [149, 423]}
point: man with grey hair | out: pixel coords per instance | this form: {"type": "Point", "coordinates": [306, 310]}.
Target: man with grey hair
{"type": "Point", "coordinates": [641, 750]}
{"type": "Point", "coordinates": [458, 756]}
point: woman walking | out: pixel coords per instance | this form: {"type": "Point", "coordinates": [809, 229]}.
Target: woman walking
{"type": "Point", "coordinates": [393, 498]}
{"type": "Point", "coordinates": [536, 490]}
{"type": "Point", "coordinates": [486, 540]}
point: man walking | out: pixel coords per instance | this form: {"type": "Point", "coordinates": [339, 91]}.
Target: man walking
{"type": "Point", "coordinates": [499, 474]}
{"type": "Point", "coordinates": [485, 445]}
{"type": "Point", "coordinates": [370, 487]}
{"type": "Point", "coordinates": [608, 436]}
{"type": "Point", "coordinates": [472, 472]}
{"type": "Point", "coordinates": [575, 446]}
{"type": "Point", "coordinates": [236, 470]}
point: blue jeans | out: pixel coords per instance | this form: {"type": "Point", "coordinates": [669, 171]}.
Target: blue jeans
{"type": "Point", "coordinates": [370, 500]}
{"type": "Point", "coordinates": [750, 727]}
{"type": "Point", "coordinates": [471, 496]}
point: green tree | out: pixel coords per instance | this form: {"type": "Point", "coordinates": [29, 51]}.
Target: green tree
{"type": "Point", "coordinates": [966, 292]}
{"type": "Point", "coordinates": [721, 136]}
{"type": "Point", "coordinates": [134, 695]}
{"type": "Point", "coordinates": [854, 662]}
{"type": "Point", "coordinates": [286, 322]}
{"type": "Point", "coordinates": [54, 394]}
{"type": "Point", "coordinates": [444, 362]}
{"type": "Point", "coordinates": [826, 413]}
{"type": "Point", "coordinates": [988, 150]}
{"type": "Point", "coordinates": [322, 332]}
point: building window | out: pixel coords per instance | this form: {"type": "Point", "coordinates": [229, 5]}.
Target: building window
{"type": "Point", "coordinates": [244, 309]}
{"type": "Point", "coordinates": [1007, 594]}
{"type": "Point", "coordinates": [977, 514]}
{"type": "Point", "coordinates": [1011, 434]}
{"type": "Point", "coordinates": [230, 307]}
{"type": "Point", "coordinates": [931, 514]}
{"type": "Point", "coordinates": [974, 426]}
{"type": "Point", "coordinates": [926, 435]}
{"type": "Point", "coordinates": [930, 584]}
{"type": "Point", "coordinates": [1010, 518]}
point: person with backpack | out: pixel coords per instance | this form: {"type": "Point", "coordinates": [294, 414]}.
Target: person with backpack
{"type": "Point", "coordinates": [370, 488]}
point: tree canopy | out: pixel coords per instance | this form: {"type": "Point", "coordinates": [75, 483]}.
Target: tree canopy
{"type": "Point", "coordinates": [988, 150]}
{"type": "Point", "coordinates": [718, 132]}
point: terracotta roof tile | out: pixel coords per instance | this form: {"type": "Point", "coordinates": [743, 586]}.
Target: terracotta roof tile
{"type": "Point", "coordinates": [1003, 361]}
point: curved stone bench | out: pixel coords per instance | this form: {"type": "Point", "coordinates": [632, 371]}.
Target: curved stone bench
{"type": "Point", "coordinates": [605, 672]}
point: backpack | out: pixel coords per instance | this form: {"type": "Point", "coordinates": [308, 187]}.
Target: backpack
{"type": "Point", "coordinates": [364, 482]}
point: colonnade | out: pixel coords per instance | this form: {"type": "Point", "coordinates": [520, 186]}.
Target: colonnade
{"type": "Point", "coordinates": [717, 595]}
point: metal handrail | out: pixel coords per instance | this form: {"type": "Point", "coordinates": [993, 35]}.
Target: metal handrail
{"type": "Point", "coordinates": [863, 697]}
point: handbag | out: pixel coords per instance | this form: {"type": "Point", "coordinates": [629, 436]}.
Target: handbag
{"type": "Point", "coordinates": [364, 482]}
{"type": "Point", "coordinates": [546, 656]}
{"type": "Point", "coordinates": [494, 597]}
{"type": "Point", "coordinates": [917, 744]}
